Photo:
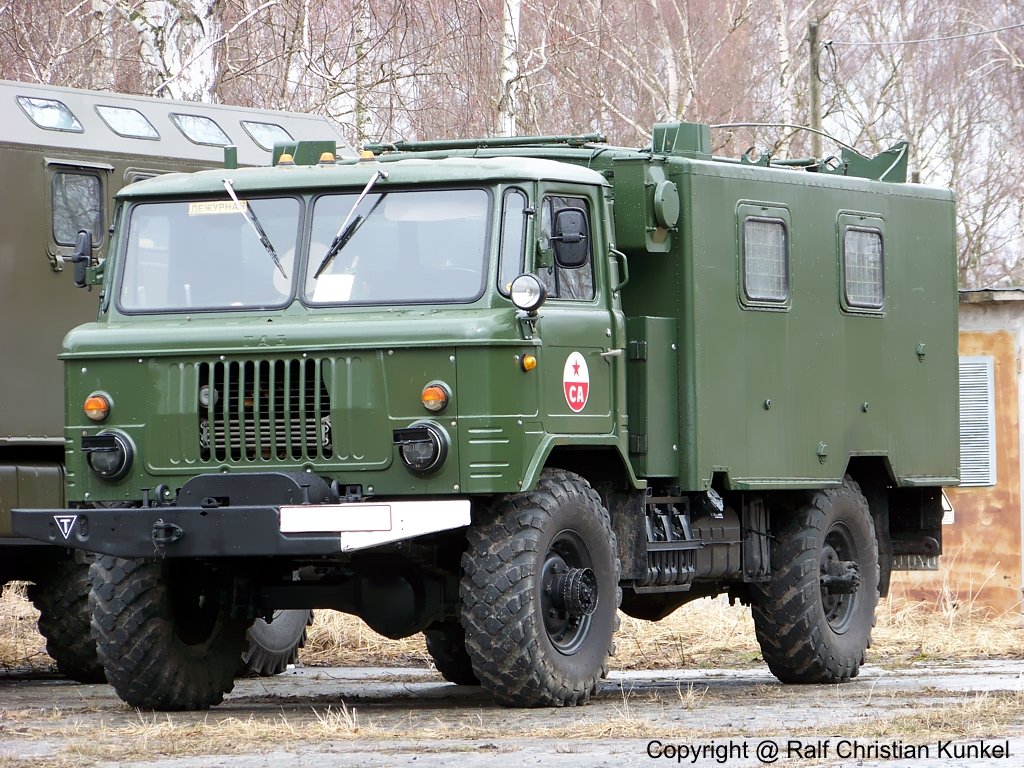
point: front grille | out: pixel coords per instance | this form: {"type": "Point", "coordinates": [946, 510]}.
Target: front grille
{"type": "Point", "coordinates": [264, 410]}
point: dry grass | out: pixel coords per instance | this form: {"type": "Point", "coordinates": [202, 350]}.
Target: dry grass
{"type": "Point", "coordinates": [153, 736]}
{"type": "Point", "coordinates": [711, 633]}
{"type": "Point", "coordinates": [339, 640]}
{"type": "Point", "coordinates": [706, 633]}
{"type": "Point", "coordinates": [21, 645]}
{"type": "Point", "coordinates": [978, 714]}
{"type": "Point", "coordinates": [909, 631]}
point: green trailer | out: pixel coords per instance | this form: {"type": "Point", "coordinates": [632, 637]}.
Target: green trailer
{"type": "Point", "coordinates": [494, 390]}
{"type": "Point", "coordinates": [64, 154]}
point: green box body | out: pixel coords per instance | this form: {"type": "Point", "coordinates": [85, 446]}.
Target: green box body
{"type": "Point", "coordinates": [651, 380]}
{"type": "Point", "coordinates": [760, 389]}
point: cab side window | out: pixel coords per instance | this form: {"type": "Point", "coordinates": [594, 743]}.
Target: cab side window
{"type": "Point", "coordinates": [566, 220]}
{"type": "Point", "coordinates": [513, 238]}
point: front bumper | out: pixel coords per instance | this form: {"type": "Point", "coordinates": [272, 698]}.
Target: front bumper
{"type": "Point", "coordinates": [288, 530]}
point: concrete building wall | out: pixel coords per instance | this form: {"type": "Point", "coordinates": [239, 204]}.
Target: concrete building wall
{"type": "Point", "coordinates": [982, 559]}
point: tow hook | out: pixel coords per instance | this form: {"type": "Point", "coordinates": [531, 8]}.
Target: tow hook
{"type": "Point", "coordinates": [166, 533]}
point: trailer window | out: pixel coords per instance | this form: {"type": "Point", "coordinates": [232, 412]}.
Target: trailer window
{"type": "Point", "coordinates": [765, 260]}
{"type": "Point", "coordinates": [50, 114]}
{"type": "Point", "coordinates": [201, 130]}
{"type": "Point", "coordinates": [128, 122]}
{"type": "Point", "coordinates": [564, 282]}
{"type": "Point", "coordinates": [77, 203]}
{"type": "Point", "coordinates": [266, 134]}
{"type": "Point", "coordinates": [863, 272]}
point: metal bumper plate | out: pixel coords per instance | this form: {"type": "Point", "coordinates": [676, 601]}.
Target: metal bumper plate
{"type": "Point", "coordinates": [240, 531]}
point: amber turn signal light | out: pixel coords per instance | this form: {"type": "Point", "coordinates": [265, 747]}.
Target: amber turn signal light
{"type": "Point", "coordinates": [528, 363]}
{"type": "Point", "coordinates": [96, 407]}
{"type": "Point", "coordinates": [434, 398]}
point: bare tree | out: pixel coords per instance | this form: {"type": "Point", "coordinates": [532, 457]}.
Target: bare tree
{"type": "Point", "coordinates": [507, 99]}
{"type": "Point", "coordinates": [902, 72]}
{"type": "Point", "coordinates": [385, 69]}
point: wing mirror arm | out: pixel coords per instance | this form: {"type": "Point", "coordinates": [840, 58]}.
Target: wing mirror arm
{"type": "Point", "coordinates": [82, 257]}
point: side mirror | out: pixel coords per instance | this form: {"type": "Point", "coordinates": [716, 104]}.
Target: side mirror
{"type": "Point", "coordinates": [82, 257]}
{"type": "Point", "coordinates": [570, 238]}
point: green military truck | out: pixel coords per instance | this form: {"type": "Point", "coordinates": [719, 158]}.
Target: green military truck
{"type": "Point", "coordinates": [492, 391]}
{"type": "Point", "coordinates": [64, 153]}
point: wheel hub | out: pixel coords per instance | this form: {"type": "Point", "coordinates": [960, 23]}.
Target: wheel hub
{"type": "Point", "coordinates": [840, 577]}
{"type": "Point", "coordinates": [574, 591]}
{"type": "Point", "coordinates": [569, 594]}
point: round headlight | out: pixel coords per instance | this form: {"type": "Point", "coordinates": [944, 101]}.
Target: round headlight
{"type": "Point", "coordinates": [109, 455]}
{"type": "Point", "coordinates": [527, 292]}
{"type": "Point", "coordinates": [423, 447]}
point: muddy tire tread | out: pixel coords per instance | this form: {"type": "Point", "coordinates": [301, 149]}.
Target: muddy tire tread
{"type": "Point", "coordinates": [502, 632]}
{"type": "Point", "coordinates": [136, 642]}
{"type": "Point", "coordinates": [62, 597]}
{"type": "Point", "coordinates": [785, 609]}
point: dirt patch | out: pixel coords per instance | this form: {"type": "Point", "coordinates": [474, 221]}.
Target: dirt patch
{"type": "Point", "coordinates": [946, 673]}
{"type": "Point", "coordinates": [359, 716]}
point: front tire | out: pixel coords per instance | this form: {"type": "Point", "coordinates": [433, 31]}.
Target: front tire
{"type": "Point", "coordinates": [163, 633]}
{"type": "Point", "coordinates": [62, 596]}
{"type": "Point", "coordinates": [813, 620]}
{"type": "Point", "coordinates": [540, 594]}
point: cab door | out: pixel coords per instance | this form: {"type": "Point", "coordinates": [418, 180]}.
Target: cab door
{"type": "Point", "coordinates": [577, 326]}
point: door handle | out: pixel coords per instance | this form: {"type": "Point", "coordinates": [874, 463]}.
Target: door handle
{"type": "Point", "coordinates": [611, 353]}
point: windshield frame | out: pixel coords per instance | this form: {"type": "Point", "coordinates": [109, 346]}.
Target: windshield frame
{"type": "Point", "coordinates": [128, 221]}
{"type": "Point", "coordinates": [298, 268]}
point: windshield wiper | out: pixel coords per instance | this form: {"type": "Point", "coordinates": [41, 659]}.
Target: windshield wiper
{"type": "Point", "coordinates": [250, 216]}
{"type": "Point", "coordinates": [349, 225]}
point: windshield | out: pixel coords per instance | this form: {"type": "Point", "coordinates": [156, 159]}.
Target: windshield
{"type": "Point", "coordinates": [192, 255]}
{"type": "Point", "coordinates": [399, 247]}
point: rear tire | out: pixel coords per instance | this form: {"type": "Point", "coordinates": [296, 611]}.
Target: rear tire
{"type": "Point", "coordinates": [540, 594]}
{"type": "Point", "coordinates": [62, 597]}
{"type": "Point", "coordinates": [165, 639]}
{"type": "Point", "coordinates": [271, 647]}
{"type": "Point", "coordinates": [810, 628]}
{"type": "Point", "coordinates": [446, 644]}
